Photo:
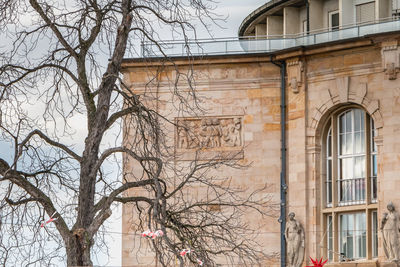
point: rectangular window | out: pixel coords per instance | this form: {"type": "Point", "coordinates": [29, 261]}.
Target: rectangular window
{"type": "Point", "coordinates": [329, 237]}
{"type": "Point", "coordinates": [333, 20]}
{"type": "Point", "coordinates": [374, 163]}
{"type": "Point", "coordinates": [351, 158]}
{"type": "Point", "coordinates": [374, 219]}
{"type": "Point", "coordinates": [352, 236]}
{"type": "Point", "coordinates": [396, 5]}
{"type": "Point", "coordinates": [329, 169]}
{"type": "Point", "coordinates": [304, 26]}
{"type": "Point", "coordinates": [365, 12]}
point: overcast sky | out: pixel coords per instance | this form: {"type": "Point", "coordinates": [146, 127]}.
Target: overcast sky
{"type": "Point", "coordinates": [236, 10]}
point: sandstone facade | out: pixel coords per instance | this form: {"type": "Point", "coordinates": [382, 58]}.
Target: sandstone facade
{"type": "Point", "coordinates": [320, 81]}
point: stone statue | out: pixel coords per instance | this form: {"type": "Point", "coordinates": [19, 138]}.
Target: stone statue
{"type": "Point", "coordinates": [390, 227]}
{"type": "Point", "coordinates": [294, 234]}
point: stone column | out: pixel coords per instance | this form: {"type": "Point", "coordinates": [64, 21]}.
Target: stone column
{"type": "Point", "coordinates": [291, 21]}
{"type": "Point", "coordinates": [382, 9]}
{"type": "Point", "coordinates": [316, 10]}
{"type": "Point", "coordinates": [346, 13]}
{"type": "Point", "coordinates": [274, 25]}
{"type": "Point", "coordinates": [261, 30]}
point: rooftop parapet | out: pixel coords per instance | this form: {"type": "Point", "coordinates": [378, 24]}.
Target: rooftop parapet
{"type": "Point", "coordinates": [265, 44]}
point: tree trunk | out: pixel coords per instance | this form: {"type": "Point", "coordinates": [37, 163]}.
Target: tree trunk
{"type": "Point", "coordinates": [78, 249]}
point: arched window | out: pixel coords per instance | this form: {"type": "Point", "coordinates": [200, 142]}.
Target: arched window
{"type": "Point", "coordinates": [350, 191]}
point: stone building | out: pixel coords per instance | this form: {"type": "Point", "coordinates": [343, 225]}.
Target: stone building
{"type": "Point", "coordinates": [333, 65]}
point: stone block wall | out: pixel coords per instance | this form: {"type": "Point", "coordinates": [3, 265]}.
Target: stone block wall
{"type": "Point", "coordinates": [246, 90]}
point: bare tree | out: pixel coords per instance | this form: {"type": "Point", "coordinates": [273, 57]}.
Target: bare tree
{"type": "Point", "coordinates": [60, 65]}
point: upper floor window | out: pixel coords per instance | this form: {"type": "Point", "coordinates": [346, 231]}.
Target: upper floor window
{"type": "Point", "coordinates": [395, 6]}
{"type": "Point", "coordinates": [365, 12]}
{"type": "Point", "coordinates": [350, 194]}
{"type": "Point", "coordinates": [354, 154]}
{"type": "Point", "coordinates": [333, 20]}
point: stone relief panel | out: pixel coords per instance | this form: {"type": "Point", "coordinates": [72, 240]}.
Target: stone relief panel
{"type": "Point", "coordinates": [295, 74]}
{"type": "Point", "coordinates": [391, 59]}
{"type": "Point", "coordinates": [209, 132]}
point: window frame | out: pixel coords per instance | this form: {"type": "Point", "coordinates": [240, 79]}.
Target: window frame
{"type": "Point", "coordinates": [334, 210]}
{"type": "Point", "coordinates": [330, 15]}
{"type": "Point", "coordinates": [358, 7]}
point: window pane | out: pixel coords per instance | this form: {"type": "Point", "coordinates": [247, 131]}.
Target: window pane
{"type": "Point", "coordinates": [359, 167]}
{"type": "Point", "coordinates": [342, 144]}
{"type": "Point", "coordinates": [330, 238]}
{"type": "Point", "coordinates": [349, 127]}
{"type": "Point", "coordinates": [335, 21]}
{"type": "Point", "coordinates": [342, 124]}
{"type": "Point", "coordinates": [346, 168]}
{"type": "Point", "coordinates": [373, 134]}
{"type": "Point", "coordinates": [357, 120]}
{"type": "Point", "coordinates": [352, 236]}
{"type": "Point", "coordinates": [374, 166]}
{"type": "Point", "coordinates": [329, 144]}
{"type": "Point", "coordinates": [359, 145]}
{"type": "Point", "coordinates": [362, 113]}
{"type": "Point", "coordinates": [349, 144]}
{"type": "Point", "coordinates": [360, 233]}
{"type": "Point", "coordinates": [374, 234]}
{"type": "Point", "coordinates": [329, 182]}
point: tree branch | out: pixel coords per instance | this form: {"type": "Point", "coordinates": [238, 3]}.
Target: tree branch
{"type": "Point", "coordinates": [53, 27]}
{"type": "Point", "coordinates": [104, 204]}
{"type": "Point", "coordinates": [37, 194]}
{"type": "Point", "coordinates": [49, 141]}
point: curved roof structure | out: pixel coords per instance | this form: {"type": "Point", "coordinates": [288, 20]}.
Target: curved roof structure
{"type": "Point", "coordinates": [260, 12]}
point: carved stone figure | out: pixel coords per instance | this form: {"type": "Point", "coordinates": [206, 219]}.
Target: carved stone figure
{"type": "Point", "coordinates": [294, 234]}
{"type": "Point", "coordinates": [390, 227]}
{"type": "Point", "coordinates": [216, 133]}
{"type": "Point", "coordinates": [205, 132]}
{"type": "Point", "coordinates": [183, 135]}
{"type": "Point", "coordinates": [235, 134]}
{"type": "Point", "coordinates": [193, 135]}
{"type": "Point", "coordinates": [231, 132]}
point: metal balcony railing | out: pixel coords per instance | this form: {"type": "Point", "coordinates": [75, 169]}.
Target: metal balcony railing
{"type": "Point", "coordinates": [351, 191]}
{"type": "Point", "coordinates": [251, 44]}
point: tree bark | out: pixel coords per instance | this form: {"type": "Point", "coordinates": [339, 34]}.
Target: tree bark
{"type": "Point", "coordinates": [78, 249]}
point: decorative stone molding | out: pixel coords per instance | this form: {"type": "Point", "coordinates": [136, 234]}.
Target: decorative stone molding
{"type": "Point", "coordinates": [345, 92]}
{"type": "Point", "coordinates": [295, 74]}
{"type": "Point", "coordinates": [209, 133]}
{"type": "Point", "coordinates": [342, 84]}
{"type": "Point", "coordinates": [391, 59]}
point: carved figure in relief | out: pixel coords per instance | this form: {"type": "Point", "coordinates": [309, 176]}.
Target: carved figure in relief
{"type": "Point", "coordinates": [390, 227]}
{"type": "Point", "coordinates": [231, 133]}
{"type": "Point", "coordinates": [294, 234]}
{"type": "Point", "coordinates": [209, 133]}
{"type": "Point", "coordinates": [194, 141]}
{"type": "Point", "coordinates": [235, 134]}
{"type": "Point", "coordinates": [216, 133]}
{"type": "Point", "coordinates": [183, 135]}
{"type": "Point", "coordinates": [205, 132]}
{"type": "Point", "coordinates": [225, 128]}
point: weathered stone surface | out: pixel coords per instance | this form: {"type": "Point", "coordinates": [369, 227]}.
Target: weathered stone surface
{"type": "Point", "coordinates": [248, 88]}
